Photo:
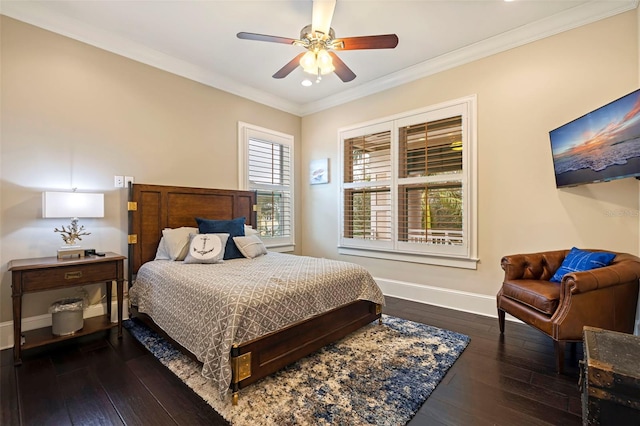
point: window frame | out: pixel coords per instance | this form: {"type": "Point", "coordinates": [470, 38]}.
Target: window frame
{"type": "Point", "coordinates": [246, 132]}
{"type": "Point", "coordinates": [464, 256]}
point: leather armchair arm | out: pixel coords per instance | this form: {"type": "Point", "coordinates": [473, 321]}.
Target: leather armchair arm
{"type": "Point", "coordinates": [617, 273]}
{"type": "Point", "coordinates": [540, 266]}
{"type": "Point", "coordinates": [605, 297]}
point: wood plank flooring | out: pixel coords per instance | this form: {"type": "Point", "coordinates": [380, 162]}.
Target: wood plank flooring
{"type": "Point", "coordinates": [100, 380]}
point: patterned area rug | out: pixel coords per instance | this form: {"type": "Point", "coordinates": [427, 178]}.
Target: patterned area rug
{"type": "Point", "coordinates": [378, 375]}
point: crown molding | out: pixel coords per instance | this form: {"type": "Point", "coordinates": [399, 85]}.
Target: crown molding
{"type": "Point", "coordinates": [567, 20]}
{"type": "Point", "coordinates": [593, 11]}
{"type": "Point", "coordinates": [32, 13]}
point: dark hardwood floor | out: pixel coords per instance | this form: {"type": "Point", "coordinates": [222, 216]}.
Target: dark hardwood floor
{"type": "Point", "coordinates": [100, 380]}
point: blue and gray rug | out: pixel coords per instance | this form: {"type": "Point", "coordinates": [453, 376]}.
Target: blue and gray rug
{"type": "Point", "coordinates": [378, 375]}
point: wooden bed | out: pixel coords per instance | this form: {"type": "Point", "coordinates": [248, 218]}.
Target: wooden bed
{"type": "Point", "coordinates": [154, 207]}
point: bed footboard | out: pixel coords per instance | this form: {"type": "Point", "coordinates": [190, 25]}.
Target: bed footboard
{"type": "Point", "coordinates": [255, 359]}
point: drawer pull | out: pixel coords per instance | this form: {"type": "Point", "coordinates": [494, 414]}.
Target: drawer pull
{"type": "Point", "coordinates": [72, 275]}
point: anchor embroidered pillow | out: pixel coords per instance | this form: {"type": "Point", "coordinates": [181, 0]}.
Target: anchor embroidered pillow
{"type": "Point", "coordinates": [206, 248]}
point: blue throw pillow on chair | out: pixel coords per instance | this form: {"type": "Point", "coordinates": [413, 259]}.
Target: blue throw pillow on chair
{"type": "Point", "coordinates": [580, 260]}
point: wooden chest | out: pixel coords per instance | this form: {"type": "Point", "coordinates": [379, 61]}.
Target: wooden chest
{"type": "Point", "coordinates": [610, 378]}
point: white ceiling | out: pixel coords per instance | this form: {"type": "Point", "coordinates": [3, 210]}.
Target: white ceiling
{"type": "Point", "coordinates": [197, 39]}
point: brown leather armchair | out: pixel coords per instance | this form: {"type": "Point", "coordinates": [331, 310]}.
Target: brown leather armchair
{"type": "Point", "coordinates": [605, 297]}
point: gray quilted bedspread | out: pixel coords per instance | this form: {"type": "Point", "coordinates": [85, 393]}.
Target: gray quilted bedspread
{"type": "Point", "coordinates": [209, 307]}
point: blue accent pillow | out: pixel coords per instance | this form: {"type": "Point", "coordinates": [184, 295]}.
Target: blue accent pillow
{"type": "Point", "coordinates": [233, 227]}
{"type": "Point", "coordinates": [579, 260]}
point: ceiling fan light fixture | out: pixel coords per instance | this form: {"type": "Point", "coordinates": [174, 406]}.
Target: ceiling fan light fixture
{"type": "Point", "coordinates": [319, 62]}
{"type": "Point", "coordinates": [327, 69]}
{"type": "Point", "coordinates": [324, 59]}
{"type": "Point", "coordinates": [309, 63]}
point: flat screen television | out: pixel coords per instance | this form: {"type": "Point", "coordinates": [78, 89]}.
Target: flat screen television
{"type": "Point", "coordinates": [600, 146]}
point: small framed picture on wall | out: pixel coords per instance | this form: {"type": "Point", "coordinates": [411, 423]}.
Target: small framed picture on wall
{"type": "Point", "coordinates": [319, 171]}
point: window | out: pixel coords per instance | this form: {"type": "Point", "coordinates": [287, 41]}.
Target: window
{"type": "Point", "coordinates": [266, 166]}
{"type": "Point", "coordinates": [408, 186]}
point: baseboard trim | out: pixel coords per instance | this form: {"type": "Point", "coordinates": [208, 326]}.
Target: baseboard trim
{"type": "Point", "coordinates": [40, 321]}
{"type": "Point", "coordinates": [479, 304]}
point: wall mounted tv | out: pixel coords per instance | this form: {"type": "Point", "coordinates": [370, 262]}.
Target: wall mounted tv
{"type": "Point", "coordinates": [600, 146]}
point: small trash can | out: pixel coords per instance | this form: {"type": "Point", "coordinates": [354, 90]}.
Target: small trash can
{"type": "Point", "coordinates": [66, 316]}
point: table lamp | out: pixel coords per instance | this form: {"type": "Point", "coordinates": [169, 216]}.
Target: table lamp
{"type": "Point", "coordinates": [72, 205]}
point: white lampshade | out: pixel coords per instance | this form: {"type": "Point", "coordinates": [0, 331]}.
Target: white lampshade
{"type": "Point", "coordinates": [72, 204]}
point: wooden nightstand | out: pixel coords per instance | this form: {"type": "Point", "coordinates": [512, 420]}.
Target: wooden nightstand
{"type": "Point", "coordinates": [48, 273]}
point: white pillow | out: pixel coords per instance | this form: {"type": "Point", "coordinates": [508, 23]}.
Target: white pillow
{"type": "Point", "coordinates": [176, 241]}
{"type": "Point", "coordinates": [206, 248]}
{"type": "Point", "coordinates": [248, 230]}
{"type": "Point", "coordinates": [250, 246]}
{"type": "Point", "coordinates": [162, 253]}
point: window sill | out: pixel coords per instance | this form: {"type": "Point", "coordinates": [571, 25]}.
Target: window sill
{"type": "Point", "coordinates": [280, 248]}
{"type": "Point", "coordinates": [453, 262]}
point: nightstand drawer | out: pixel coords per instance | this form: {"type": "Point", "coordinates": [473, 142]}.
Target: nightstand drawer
{"type": "Point", "coordinates": [50, 278]}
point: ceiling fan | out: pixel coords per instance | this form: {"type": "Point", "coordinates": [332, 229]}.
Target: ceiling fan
{"type": "Point", "coordinates": [320, 41]}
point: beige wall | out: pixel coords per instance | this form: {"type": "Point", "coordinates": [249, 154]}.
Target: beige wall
{"type": "Point", "coordinates": [522, 94]}
{"type": "Point", "coordinates": [75, 116]}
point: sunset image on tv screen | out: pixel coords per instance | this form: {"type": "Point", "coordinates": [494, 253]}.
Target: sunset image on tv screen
{"type": "Point", "coordinates": [599, 146]}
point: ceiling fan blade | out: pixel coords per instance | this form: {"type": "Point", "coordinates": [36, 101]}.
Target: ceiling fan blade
{"type": "Point", "coordinates": [292, 65]}
{"type": "Point", "coordinates": [385, 41]}
{"type": "Point", "coordinates": [322, 15]}
{"type": "Point", "coordinates": [342, 70]}
{"type": "Point", "coordinates": [263, 37]}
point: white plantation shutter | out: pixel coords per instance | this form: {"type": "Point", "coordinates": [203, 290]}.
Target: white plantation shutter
{"type": "Point", "coordinates": [431, 214]}
{"type": "Point", "coordinates": [367, 180]}
{"type": "Point", "coordinates": [267, 168]}
{"type": "Point", "coordinates": [408, 186]}
{"type": "Point", "coordinates": [431, 148]}
{"type": "Point", "coordinates": [270, 175]}
{"type": "Point", "coordinates": [430, 195]}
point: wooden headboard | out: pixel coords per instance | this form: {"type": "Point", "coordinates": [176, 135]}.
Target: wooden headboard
{"type": "Point", "coordinates": [155, 207]}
